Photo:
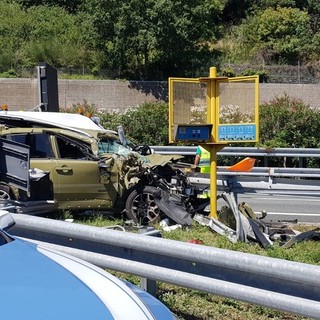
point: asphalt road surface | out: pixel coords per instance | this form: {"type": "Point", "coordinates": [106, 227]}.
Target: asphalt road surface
{"type": "Point", "coordinates": [284, 207]}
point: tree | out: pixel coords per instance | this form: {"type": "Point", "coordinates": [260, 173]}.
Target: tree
{"type": "Point", "coordinates": [274, 4]}
{"type": "Point", "coordinates": [280, 35]}
{"type": "Point", "coordinates": [235, 11]}
{"type": "Point", "coordinates": [285, 32]}
{"type": "Point", "coordinates": [313, 7]}
{"type": "Point", "coordinates": [69, 5]}
{"type": "Point", "coordinates": [162, 34]}
{"type": "Point", "coordinates": [42, 34]}
{"type": "Point", "coordinates": [14, 26]}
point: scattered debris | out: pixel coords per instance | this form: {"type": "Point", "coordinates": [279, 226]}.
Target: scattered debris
{"type": "Point", "coordinates": [172, 207]}
{"type": "Point", "coordinates": [116, 227]}
{"type": "Point", "coordinates": [239, 223]}
{"type": "Point", "coordinates": [308, 235]}
{"type": "Point", "coordinates": [167, 225]}
{"type": "Point", "coordinates": [244, 165]}
{"type": "Point", "coordinates": [196, 241]}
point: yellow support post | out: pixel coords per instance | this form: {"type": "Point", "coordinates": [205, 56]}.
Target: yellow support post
{"type": "Point", "coordinates": [213, 148]}
{"type": "Point", "coordinates": [213, 182]}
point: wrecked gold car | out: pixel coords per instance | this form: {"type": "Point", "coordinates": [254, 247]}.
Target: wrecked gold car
{"type": "Point", "coordinates": [92, 169]}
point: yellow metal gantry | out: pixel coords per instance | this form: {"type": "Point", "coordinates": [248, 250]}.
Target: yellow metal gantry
{"type": "Point", "coordinates": [213, 112]}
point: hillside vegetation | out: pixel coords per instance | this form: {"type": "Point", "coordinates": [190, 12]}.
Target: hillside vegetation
{"type": "Point", "coordinates": [154, 39]}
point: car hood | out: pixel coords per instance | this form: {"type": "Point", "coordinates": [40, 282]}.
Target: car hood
{"type": "Point", "coordinates": [38, 283]}
{"type": "Point", "coordinates": [156, 159]}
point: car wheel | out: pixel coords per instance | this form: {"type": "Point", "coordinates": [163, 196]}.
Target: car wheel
{"type": "Point", "coordinates": [141, 207]}
{"type": "Point", "coordinates": [5, 192]}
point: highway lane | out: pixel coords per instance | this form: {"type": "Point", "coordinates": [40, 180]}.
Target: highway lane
{"type": "Point", "coordinates": [283, 207]}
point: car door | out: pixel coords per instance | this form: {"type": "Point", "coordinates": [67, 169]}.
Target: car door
{"type": "Point", "coordinates": [14, 164]}
{"type": "Point", "coordinates": [77, 180]}
{"type": "Point", "coordinates": [41, 153]}
{"type": "Point", "coordinates": [80, 184]}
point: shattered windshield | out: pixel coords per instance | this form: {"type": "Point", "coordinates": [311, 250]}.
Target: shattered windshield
{"type": "Point", "coordinates": [111, 145]}
{"type": "Point", "coordinates": [108, 145]}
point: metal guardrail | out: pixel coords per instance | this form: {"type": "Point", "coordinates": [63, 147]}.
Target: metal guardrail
{"type": "Point", "coordinates": [243, 151]}
{"type": "Point", "coordinates": [274, 172]}
{"type": "Point", "coordinates": [265, 153]}
{"type": "Point", "coordinates": [273, 180]}
{"type": "Point", "coordinates": [275, 283]}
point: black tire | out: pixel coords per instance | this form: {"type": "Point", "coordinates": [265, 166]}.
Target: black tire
{"type": "Point", "coordinates": [141, 207]}
{"type": "Point", "coordinates": [5, 192]}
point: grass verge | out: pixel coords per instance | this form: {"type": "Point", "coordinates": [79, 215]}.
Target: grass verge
{"type": "Point", "coordinates": [190, 304]}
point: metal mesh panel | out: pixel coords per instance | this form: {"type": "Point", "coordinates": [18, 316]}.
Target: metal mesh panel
{"type": "Point", "coordinates": [189, 103]}
{"type": "Point", "coordinates": [237, 102]}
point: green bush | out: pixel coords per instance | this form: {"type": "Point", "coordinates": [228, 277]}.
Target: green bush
{"type": "Point", "coordinates": [85, 108]}
{"type": "Point", "coordinates": [288, 123]}
{"type": "Point", "coordinates": [146, 124]}
{"type": "Point", "coordinates": [11, 73]}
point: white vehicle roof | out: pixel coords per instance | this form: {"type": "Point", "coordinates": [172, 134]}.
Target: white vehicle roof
{"type": "Point", "coordinates": [59, 119]}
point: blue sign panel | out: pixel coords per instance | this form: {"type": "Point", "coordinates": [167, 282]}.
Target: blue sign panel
{"type": "Point", "coordinates": [193, 132]}
{"type": "Point", "coordinates": [237, 132]}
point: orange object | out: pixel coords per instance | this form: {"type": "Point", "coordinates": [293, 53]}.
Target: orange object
{"type": "Point", "coordinates": [244, 165]}
{"type": "Point", "coordinates": [4, 107]}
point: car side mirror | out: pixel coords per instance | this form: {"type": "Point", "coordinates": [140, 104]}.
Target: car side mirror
{"type": "Point", "coordinates": [6, 220]}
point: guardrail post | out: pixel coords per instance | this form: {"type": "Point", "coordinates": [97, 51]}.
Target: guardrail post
{"type": "Point", "coordinates": [300, 162]}
{"type": "Point", "coordinates": [149, 285]}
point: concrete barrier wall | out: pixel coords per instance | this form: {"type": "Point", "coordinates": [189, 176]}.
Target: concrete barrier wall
{"type": "Point", "coordinates": [113, 95]}
{"type": "Point", "coordinates": [19, 94]}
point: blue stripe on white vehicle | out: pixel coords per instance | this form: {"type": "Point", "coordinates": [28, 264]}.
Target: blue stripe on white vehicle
{"type": "Point", "coordinates": [159, 310]}
{"type": "Point", "coordinates": [122, 302]}
{"type": "Point", "coordinates": [29, 278]}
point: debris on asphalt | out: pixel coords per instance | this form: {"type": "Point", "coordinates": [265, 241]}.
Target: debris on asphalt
{"type": "Point", "coordinates": [239, 223]}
